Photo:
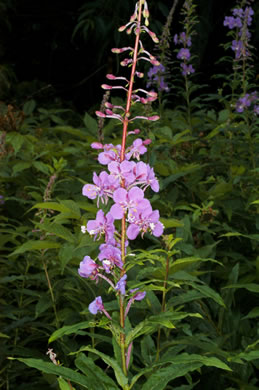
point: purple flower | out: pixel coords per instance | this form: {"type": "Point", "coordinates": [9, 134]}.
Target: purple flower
{"type": "Point", "coordinates": [156, 76]}
{"type": "Point", "coordinates": [256, 109]}
{"type": "Point", "coordinates": [101, 225]}
{"type": "Point", "coordinates": [184, 54]}
{"type": "Point", "coordinates": [187, 69]}
{"type": "Point", "coordinates": [122, 171]}
{"type": "Point", "coordinates": [88, 268]}
{"type": "Point", "coordinates": [132, 200]}
{"type": "Point", "coordinates": [1, 199]}
{"type": "Point", "coordinates": [238, 12]}
{"type": "Point", "coordinates": [237, 47]}
{"type": "Point", "coordinates": [232, 22]}
{"type": "Point", "coordinates": [246, 101]}
{"type": "Point", "coordinates": [96, 305]}
{"type": "Point", "coordinates": [139, 295]}
{"type": "Point", "coordinates": [103, 187]}
{"type": "Point", "coordinates": [111, 153]}
{"type": "Point", "coordinates": [136, 149]}
{"type": "Point", "coordinates": [185, 40]}
{"type": "Point", "coordinates": [110, 257]}
{"type": "Point", "coordinates": [120, 286]}
{"type": "Point", "coordinates": [146, 220]}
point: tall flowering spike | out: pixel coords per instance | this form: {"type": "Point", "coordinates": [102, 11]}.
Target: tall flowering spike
{"type": "Point", "coordinates": [239, 22]}
{"type": "Point", "coordinates": [184, 39]}
{"type": "Point", "coordinates": [121, 187]}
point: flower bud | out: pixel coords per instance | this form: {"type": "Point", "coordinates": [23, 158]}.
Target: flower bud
{"type": "Point", "coordinates": [106, 86]}
{"type": "Point", "coordinates": [100, 114]}
{"type": "Point", "coordinates": [96, 145]}
{"type": "Point", "coordinates": [153, 118]}
{"type": "Point", "coordinates": [110, 76]}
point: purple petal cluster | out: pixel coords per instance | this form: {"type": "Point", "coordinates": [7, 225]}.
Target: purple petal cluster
{"type": "Point", "coordinates": [124, 185]}
{"type": "Point", "coordinates": [240, 20]}
{"type": "Point", "coordinates": [184, 53]}
{"type": "Point", "coordinates": [156, 77]}
{"type": "Point", "coordinates": [1, 199]}
{"type": "Point", "coordinates": [249, 100]}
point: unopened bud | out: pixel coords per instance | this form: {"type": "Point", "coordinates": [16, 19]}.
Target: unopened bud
{"type": "Point", "coordinates": [122, 28]}
{"type": "Point", "coordinates": [108, 105]}
{"type": "Point", "coordinates": [100, 114]}
{"type": "Point", "coordinates": [106, 86]}
{"type": "Point", "coordinates": [147, 141]}
{"type": "Point", "coordinates": [110, 76]}
{"type": "Point", "coordinates": [96, 145]}
{"type": "Point", "coordinates": [153, 118]}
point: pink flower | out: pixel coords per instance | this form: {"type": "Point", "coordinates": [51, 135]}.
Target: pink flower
{"type": "Point", "coordinates": [132, 201]}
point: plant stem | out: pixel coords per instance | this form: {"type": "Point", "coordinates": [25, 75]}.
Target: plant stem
{"type": "Point", "coordinates": [50, 289]}
{"type": "Point", "coordinates": [163, 305]}
{"type": "Point", "coordinates": [122, 157]}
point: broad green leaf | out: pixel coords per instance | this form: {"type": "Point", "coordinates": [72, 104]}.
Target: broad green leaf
{"type": "Point", "coordinates": [121, 378]}
{"type": "Point", "coordinates": [50, 368]}
{"type": "Point", "coordinates": [252, 314]}
{"type": "Point", "coordinates": [209, 361]}
{"type": "Point", "coordinates": [32, 245]}
{"type": "Point", "coordinates": [21, 166]}
{"type": "Point", "coordinates": [58, 230]}
{"type": "Point", "coordinates": [4, 335]}
{"type": "Point", "coordinates": [181, 264]}
{"type": "Point", "coordinates": [160, 378]}
{"type": "Point", "coordinates": [70, 329]}
{"type": "Point", "coordinates": [171, 222]}
{"type": "Point", "coordinates": [209, 293]}
{"type": "Point", "coordinates": [98, 377]}
{"type": "Point", "coordinates": [43, 304]}
{"type": "Point", "coordinates": [63, 384]}
{"type": "Point", "coordinates": [16, 140]}
{"type": "Point", "coordinates": [69, 213]}
{"type": "Point", "coordinates": [248, 286]}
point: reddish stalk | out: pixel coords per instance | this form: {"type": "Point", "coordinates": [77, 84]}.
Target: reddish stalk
{"type": "Point", "coordinates": [122, 157]}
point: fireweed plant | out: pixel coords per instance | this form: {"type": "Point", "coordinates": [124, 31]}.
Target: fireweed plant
{"type": "Point", "coordinates": [125, 184]}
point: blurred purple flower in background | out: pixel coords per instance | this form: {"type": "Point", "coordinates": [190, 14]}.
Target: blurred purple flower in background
{"type": "Point", "coordinates": [156, 77]}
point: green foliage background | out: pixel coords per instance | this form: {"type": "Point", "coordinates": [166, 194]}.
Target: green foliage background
{"type": "Point", "coordinates": [206, 336]}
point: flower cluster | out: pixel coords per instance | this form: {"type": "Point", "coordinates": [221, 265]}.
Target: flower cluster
{"type": "Point", "coordinates": [240, 20]}
{"type": "Point", "coordinates": [156, 77]}
{"type": "Point", "coordinates": [184, 54]}
{"type": "Point", "coordinates": [123, 184]}
{"type": "Point", "coordinates": [249, 100]}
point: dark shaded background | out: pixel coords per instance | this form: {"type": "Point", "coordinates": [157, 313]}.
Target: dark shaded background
{"type": "Point", "coordinates": [53, 50]}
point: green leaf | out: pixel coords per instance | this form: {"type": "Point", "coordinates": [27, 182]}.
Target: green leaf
{"type": "Point", "coordinates": [90, 124]}
{"type": "Point", "coordinates": [248, 286]}
{"type": "Point", "coordinates": [4, 335]}
{"type": "Point", "coordinates": [70, 212]}
{"type": "Point", "coordinates": [50, 368]}
{"type": "Point", "coordinates": [193, 358]}
{"type": "Point", "coordinates": [63, 384]}
{"type": "Point", "coordinates": [209, 293]}
{"type": "Point", "coordinates": [95, 374]}
{"type": "Point", "coordinates": [171, 222]}
{"type": "Point", "coordinates": [16, 140]}
{"type": "Point", "coordinates": [252, 314]}
{"type": "Point", "coordinates": [121, 378]}
{"type": "Point", "coordinates": [70, 329]}
{"type": "Point", "coordinates": [160, 378]}
{"type": "Point", "coordinates": [43, 304]}
{"type": "Point", "coordinates": [21, 166]}
{"type": "Point", "coordinates": [32, 245]}
{"type": "Point", "coordinates": [58, 230]}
